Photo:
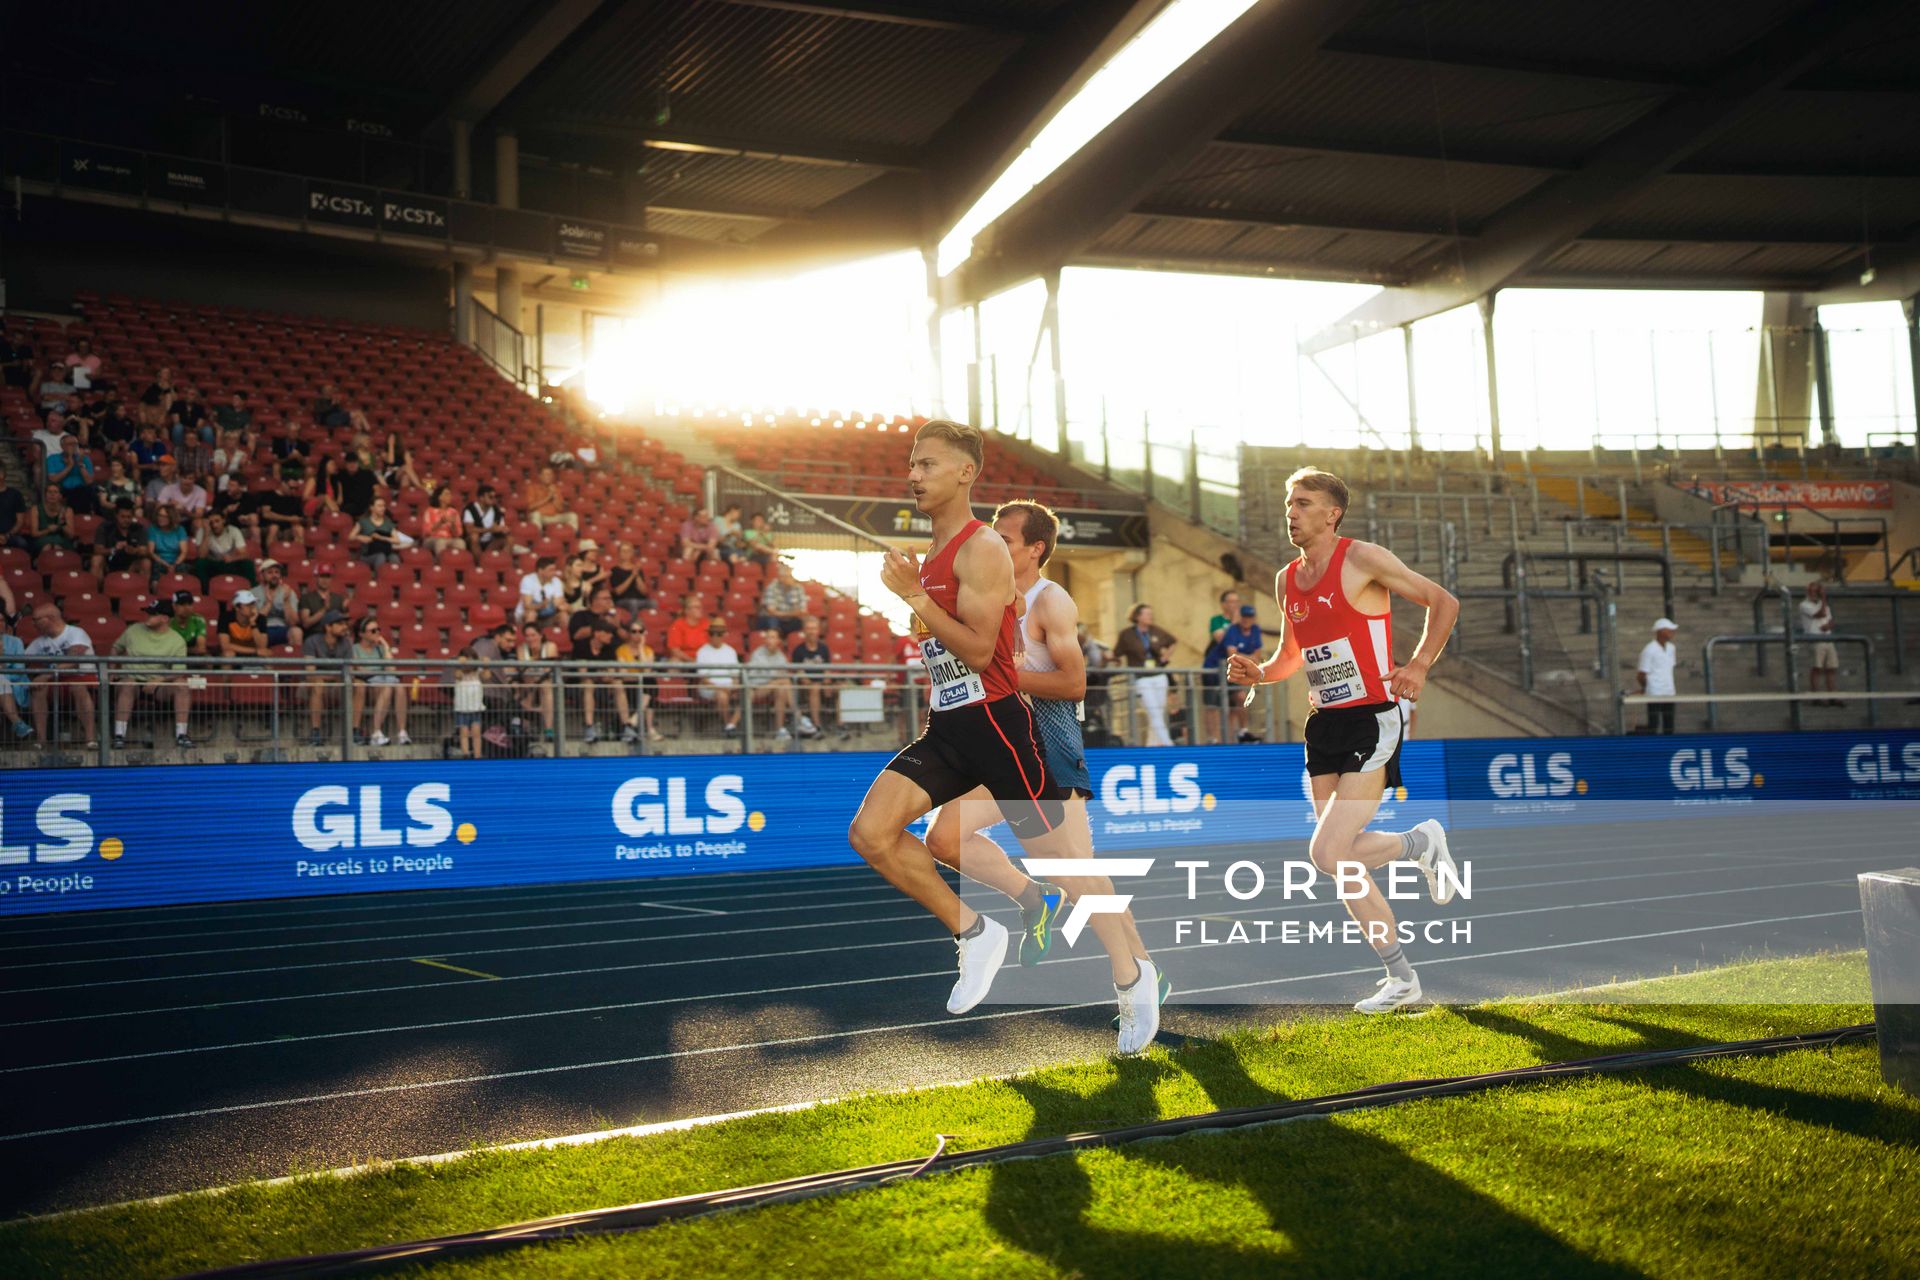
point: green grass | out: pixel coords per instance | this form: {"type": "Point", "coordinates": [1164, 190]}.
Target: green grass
{"type": "Point", "coordinates": [1800, 1164]}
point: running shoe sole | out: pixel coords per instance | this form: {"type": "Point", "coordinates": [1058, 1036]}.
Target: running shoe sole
{"type": "Point", "coordinates": [1166, 989]}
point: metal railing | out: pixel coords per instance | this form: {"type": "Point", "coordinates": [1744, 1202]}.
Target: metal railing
{"type": "Point", "coordinates": [504, 347]}
{"type": "Point", "coordinates": [1791, 644]}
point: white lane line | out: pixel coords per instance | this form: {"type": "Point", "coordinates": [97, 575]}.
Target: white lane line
{"type": "Point", "coordinates": [752, 911]}
{"type": "Point", "coordinates": [820, 1037]}
{"type": "Point", "coordinates": [753, 993]}
{"type": "Point", "coordinates": [699, 911]}
{"type": "Point", "coordinates": [636, 941]}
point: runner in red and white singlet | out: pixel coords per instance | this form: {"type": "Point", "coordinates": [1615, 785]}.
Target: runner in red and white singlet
{"type": "Point", "coordinates": [1337, 600]}
{"type": "Point", "coordinates": [980, 731]}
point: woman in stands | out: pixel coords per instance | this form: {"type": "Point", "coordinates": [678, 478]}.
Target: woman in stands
{"type": "Point", "coordinates": [118, 484]}
{"type": "Point", "coordinates": [757, 540]}
{"type": "Point", "coordinates": [370, 646]}
{"type": "Point", "coordinates": [440, 523]}
{"type": "Point", "coordinates": [377, 536]}
{"type": "Point", "coordinates": [168, 539]}
{"type": "Point", "coordinates": [627, 579]}
{"type": "Point", "coordinates": [635, 653]}
{"type": "Point", "coordinates": [574, 589]}
{"type": "Point", "coordinates": [50, 524]}
{"type": "Point", "coordinates": [536, 686]}
{"type": "Point", "coordinates": [321, 493]}
{"type": "Point", "coordinates": [157, 400]}
{"type": "Point", "coordinates": [394, 465]}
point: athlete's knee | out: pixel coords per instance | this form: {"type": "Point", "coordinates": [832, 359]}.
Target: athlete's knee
{"type": "Point", "coordinates": [944, 839]}
{"type": "Point", "coordinates": [870, 838]}
{"type": "Point", "coordinates": [1328, 851]}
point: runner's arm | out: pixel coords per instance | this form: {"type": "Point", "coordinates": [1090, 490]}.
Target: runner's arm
{"type": "Point", "coordinates": [1068, 683]}
{"type": "Point", "coordinates": [1443, 610]}
{"type": "Point", "coordinates": [985, 571]}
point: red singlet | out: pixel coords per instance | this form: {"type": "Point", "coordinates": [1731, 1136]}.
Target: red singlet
{"type": "Point", "coordinates": [1348, 654]}
{"type": "Point", "coordinates": [954, 683]}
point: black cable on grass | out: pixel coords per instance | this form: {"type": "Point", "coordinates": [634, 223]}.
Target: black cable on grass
{"type": "Point", "coordinates": [638, 1217]}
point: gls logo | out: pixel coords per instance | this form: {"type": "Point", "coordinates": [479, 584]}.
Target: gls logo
{"type": "Point", "coordinates": [326, 818]}
{"type": "Point", "coordinates": [1514, 776]}
{"type": "Point", "coordinates": [64, 837]}
{"type": "Point", "coordinates": [1697, 770]}
{"type": "Point", "coordinates": [1870, 762]}
{"type": "Point", "coordinates": [726, 811]}
{"type": "Point", "coordinates": [1128, 789]}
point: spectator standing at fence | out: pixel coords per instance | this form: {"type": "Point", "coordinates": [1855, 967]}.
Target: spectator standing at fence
{"type": "Point", "coordinates": [188, 624]}
{"type": "Point", "coordinates": [485, 523]}
{"type": "Point", "coordinates": [153, 638]}
{"type": "Point", "coordinates": [334, 646]}
{"type": "Point", "coordinates": [1816, 623]}
{"type": "Point", "coordinates": [545, 503]}
{"type": "Point", "coordinates": [241, 635]}
{"type": "Point", "coordinates": [60, 639]}
{"type": "Point", "coordinates": [719, 661]}
{"type": "Point", "coordinates": [1657, 662]}
{"type": "Point", "coordinates": [1243, 636]}
{"type": "Point", "coordinates": [532, 645]}
{"type": "Point", "coordinates": [221, 548]}
{"type": "Point", "coordinates": [1145, 647]}
{"type": "Point", "coordinates": [811, 651]}
{"type": "Point", "coordinates": [16, 691]}
{"type": "Point", "coordinates": [1229, 611]}
{"type": "Point", "coordinates": [469, 702]}
{"type": "Point", "coordinates": [783, 603]}
{"type": "Point", "coordinates": [768, 680]}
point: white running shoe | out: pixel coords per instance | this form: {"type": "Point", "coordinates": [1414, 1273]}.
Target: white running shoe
{"type": "Point", "coordinates": [1436, 857]}
{"type": "Point", "coordinates": [377, 740]}
{"type": "Point", "coordinates": [980, 959]}
{"type": "Point", "coordinates": [1392, 994]}
{"type": "Point", "coordinates": [1140, 1009]}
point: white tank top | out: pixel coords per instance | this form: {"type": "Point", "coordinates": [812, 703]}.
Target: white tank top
{"type": "Point", "coordinates": [1038, 659]}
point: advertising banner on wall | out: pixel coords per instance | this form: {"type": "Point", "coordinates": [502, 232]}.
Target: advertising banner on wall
{"type": "Point", "coordinates": [1837, 494]}
{"type": "Point", "coordinates": [188, 181]}
{"type": "Point", "coordinates": [85, 164]}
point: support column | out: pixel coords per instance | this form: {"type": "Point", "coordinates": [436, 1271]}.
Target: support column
{"type": "Point", "coordinates": [1910, 308]}
{"type": "Point", "coordinates": [1493, 380]}
{"type": "Point", "coordinates": [506, 193]}
{"type": "Point", "coordinates": [1783, 398]}
{"type": "Point", "coordinates": [463, 303]}
{"type": "Point", "coordinates": [1059, 373]}
{"type": "Point", "coordinates": [974, 373]}
{"type": "Point", "coordinates": [1823, 381]}
{"type": "Point", "coordinates": [1413, 397]}
{"type": "Point", "coordinates": [936, 349]}
{"type": "Point", "coordinates": [463, 159]}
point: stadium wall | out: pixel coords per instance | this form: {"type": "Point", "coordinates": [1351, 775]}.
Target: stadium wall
{"type": "Point", "coordinates": [134, 837]}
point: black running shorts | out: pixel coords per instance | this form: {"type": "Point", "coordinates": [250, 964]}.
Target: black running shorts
{"type": "Point", "coordinates": [1357, 740]}
{"type": "Point", "coordinates": [986, 744]}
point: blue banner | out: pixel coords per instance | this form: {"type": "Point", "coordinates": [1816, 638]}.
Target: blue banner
{"type": "Point", "coordinates": [92, 838]}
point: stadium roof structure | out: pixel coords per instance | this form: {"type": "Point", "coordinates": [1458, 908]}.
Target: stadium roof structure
{"type": "Point", "coordinates": [1450, 147]}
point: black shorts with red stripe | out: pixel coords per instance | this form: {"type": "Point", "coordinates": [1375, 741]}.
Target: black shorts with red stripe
{"type": "Point", "coordinates": [995, 745]}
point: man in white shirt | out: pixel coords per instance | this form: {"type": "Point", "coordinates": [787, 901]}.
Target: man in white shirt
{"type": "Point", "coordinates": [1816, 622]}
{"type": "Point", "coordinates": [540, 592]}
{"type": "Point", "coordinates": [718, 660]}
{"type": "Point", "coordinates": [1657, 661]}
{"type": "Point", "coordinates": [768, 681]}
{"type": "Point", "coordinates": [60, 639]}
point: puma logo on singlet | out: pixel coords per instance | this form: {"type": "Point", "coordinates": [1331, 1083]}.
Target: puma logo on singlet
{"type": "Point", "coordinates": [1325, 600]}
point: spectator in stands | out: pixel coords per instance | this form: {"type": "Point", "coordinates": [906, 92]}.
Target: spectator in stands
{"type": "Point", "coordinates": [810, 650]}
{"type": "Point", "coordinates": [56, 390]}
{"type": "Point", "coordinates": [188, 624]}
{"type": "Point", "coordinates": [573, 587]}
{"type": "Point", "coordinates": [628, 580]}
{"type": "Point", "coordinates": [154, 637]}
{"type": "Point", "coordinates": [484, 522]}
{"type": "Point", "coordinates": [757, 540]}
{"type": "Point", "coordinates": [469, 702]}
{"type": "Point", "coordinates": [595, 634]}
{"type": "Point", "coordinates": [1816, 623]}
{"type": "Point", "coordinates": [322, 597]}
{"type": "Point", "coordinates": [394, 465]}
{"type": "Point", "coordinates": [13, 510]}
{"type": "Point", "coordinates": [60, 639]}
{"type": "Point", "coordinates": [636, 656]}
{"type": "Point", "coordinates": [279, 605]}
{"type": "Point", "coordinates": [327, 409]}
{"type": "Point", "coordinates": [221, 548]}
{"type": "Point", "coordinates": [688, 632]}
{"type": "Point", "coordinates": [332, 645]}
{"type": "Point", "coordinates": [50, 524]}
{"type": "Point", "coordinates": [783, 602]}
{"type": "Point", "coordinates": [283, 442]}
{"type": "Point", "coordinates": [321, 493]}
{"type": "Point", "coordinates": [372, 648]}
{"type": "Point", "coordinates": [157, 400]}
{"type": "Point", "coordinates": [1242, 637]}
{"type": "Point", "coordinates": [167, 539]}
{"type": "Point", "coordinates": [1229, 610]}
{"type": "Point", "coordinates": [719, 661]}
{"type": "Point", "coordinates": [592, 572]}
{"type": "Point", "coordinates": [230, 462]}
{"type": "Point", "coordinates": [699, 536]}
{"type": "Point", "coordinates": [18, 366]}
{"type": "Point", "coordinates": [536, 691]}
{"type": "Point", "coordinates": [167, 473]}
{"type": "Point", "coordinates": [72, 470]}
{"type": "Point", "coordinates": [540, 592]}
{"type": "Point", "coordinates": [190, 417]}
{"type": "Point", "coordinates": [545, 503]}
{"type": "Point", "coordinates": [234, 415]}
{"type": "Point", "coordinates": [241, 635]}
{"type": "Point", "coordinates": [118, 487]}
{"type": "Point", "coordinates": [83, 362]}
{"type": "Point", "coordinates": [117, 429]}
{"type": "Point", "coordinates": [768, 680]}
{"type": "Point", "coordinates": [274, 518]}
{"type": "Point", "coordinates": [16, 690]}
{"type": "Point", "coordinates": [440, 522]}
{"type": "Point", "coordinates": [357, 486]}
{"type": "Point", "coordinates": [732, 544]}
{"type": "Point", "coordinates": [120, 544]}
{"type": "Point", "coordinates": [195, 459]}
{"type": "Point", "coordinates": [377, 536]}
{"type": "Point", "coordinates": [1145, 647]}
{"type": "Point", "coordinates": [147, 452]}
{"type": "Point", "coordinates": [184, 494]}
{"type": "Point", "coordinates": [47, 437]}
{"type": "Point", "coordinates": [1655, 674]}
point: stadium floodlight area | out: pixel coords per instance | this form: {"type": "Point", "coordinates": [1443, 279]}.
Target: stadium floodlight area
{"type": "Point", "coordinates": [1163, 45]}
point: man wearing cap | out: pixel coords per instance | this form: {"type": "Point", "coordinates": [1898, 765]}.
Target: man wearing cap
{"type": "Point", "coordinates": [153, 638]}
{"type": "Point", "coordinates": [718, 661]}
{"type": "Point", "coordinates": [1657, 662]}
{"type": "Point", "coordinates": [333, 645]}
{"type": "Point", "coordinates": [241, 635]}
{"type": "Point", "coordinates": [188, 624]}
{"type": "Point", "coordinates": [279, 605]}
{"type": "Point", "coordinates": [1243, 636]}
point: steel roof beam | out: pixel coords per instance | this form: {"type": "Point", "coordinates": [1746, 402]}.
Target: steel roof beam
{"type": "Point", "coordinates": [906, 15]}
{"type": "Point", "coordinates": [544, 27]}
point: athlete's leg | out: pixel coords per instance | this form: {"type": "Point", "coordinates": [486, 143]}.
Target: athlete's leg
{"type": "Point", "coordinates": [1073, 838]}
{"type": "Point", "coordinates": [956, 839]}
{"type": "Point", "coordinates": [879, 834]}
{"type": "Point", "coordinates": [1346, 803]}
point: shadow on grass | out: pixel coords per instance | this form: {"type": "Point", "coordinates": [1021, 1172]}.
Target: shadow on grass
{"type": "Point", "coordinates": [1375, 1210]}
{"type": "Point", "coordinates": [1858, 1116]}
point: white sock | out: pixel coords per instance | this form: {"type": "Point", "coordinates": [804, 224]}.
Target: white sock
{"type": "Point", "coordinates": [179, 728]}
{"type": "Point", "coordinates": [119, 728]}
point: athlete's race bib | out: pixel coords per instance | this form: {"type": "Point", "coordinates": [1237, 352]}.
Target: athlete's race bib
{"type": "Point", "coordinates": [955, 684]}
{"type": "Point", "coordinates": [1333, 677]}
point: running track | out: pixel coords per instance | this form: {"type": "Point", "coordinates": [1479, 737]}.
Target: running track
{"type": "Point", "coordinates": [157, 1050]}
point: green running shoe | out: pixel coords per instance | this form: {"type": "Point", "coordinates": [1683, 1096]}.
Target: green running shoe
{"type": "Point", "coordinates": [1036, 925]}
{"type": "Point", "coordinates": [1166, 989]}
